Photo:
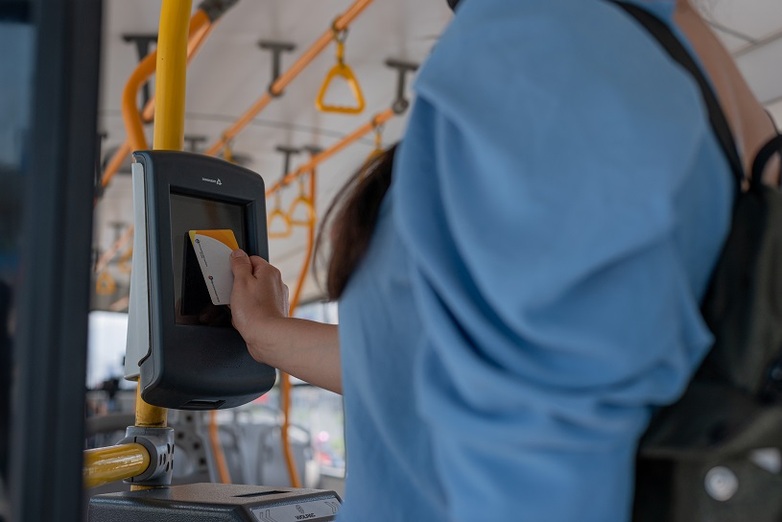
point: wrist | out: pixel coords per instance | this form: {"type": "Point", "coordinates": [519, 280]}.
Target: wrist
{"type": "Point", "coordinates": [266, 342]}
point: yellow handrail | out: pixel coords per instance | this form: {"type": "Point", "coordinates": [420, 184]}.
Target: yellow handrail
{"type": "Point", "coordinates": [342, 23]}
{"type": "Point", "coordinates": [217, 449]}
{"type": "Point", "coordinates": [134, 126]}
{"type": "Point", "coordinates": [169, 130]}
{"type": "Point", "coordinates": [378, 119]}
{"type": "Point", "coordinates": [285, 384]}
{"type": "Point", "coordinates": [200, 29]}
{"type": "Point", "coordinates": [105, 465]}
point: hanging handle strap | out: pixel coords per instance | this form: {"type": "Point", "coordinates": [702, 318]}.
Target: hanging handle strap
{"type": "Point", "coordinates": [772, 147]}
{"type": "Point", "coordinates": [105, 284]}
{"type": "Point", "coordinates": [280, 225]}
{"type": "Point", "coordinates": [682, 56]}
{"type": "Point", "coordinates": [304, 201]}
{"type": "Point", "coordinates": [378, 150]}
{"type": "Point", "coordinates": [341, 70]}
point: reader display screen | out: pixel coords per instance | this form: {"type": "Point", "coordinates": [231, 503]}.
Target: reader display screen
{"type": "Point", "coordinates": [193, 303]}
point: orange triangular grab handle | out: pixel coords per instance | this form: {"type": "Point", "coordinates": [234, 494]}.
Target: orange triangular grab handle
{"type": "Point", "coordinates": [341, 70]}
{"type": "Point", "coordinates": [124, 261]}
{"type": "Point", "coordinates": [105, 284]}
{"type": "Point", "coordinates": [285, 228]}
{"type": "Point", "coordinates": [378, 150]}
{"type": "Point", "coordinates": [304, 201]}
{"type": "Point", "coordinates": [278, 220]}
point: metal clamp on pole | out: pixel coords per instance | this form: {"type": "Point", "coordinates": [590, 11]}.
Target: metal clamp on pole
{"type": "Point", "coordinates": [276, 48]}
{"type": "Point", "coordinates": [159, 443]}
{"type": "Point", "coordinates": [401, 103]}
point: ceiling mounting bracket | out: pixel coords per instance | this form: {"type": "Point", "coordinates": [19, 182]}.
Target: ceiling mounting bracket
{"type": "Point", "coordinates": [288, 152]}
{"type": "Point", "coordinates": [193, 142]}
{"type": "Point", "coordinates": [276, 48]}
{"type": "Point", "coordinates": [143, 42]}
{"type": "Point", "coordinates": [401, 103]}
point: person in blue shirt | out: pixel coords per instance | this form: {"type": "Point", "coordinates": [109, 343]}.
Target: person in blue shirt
{"type": "Point", "coordinates": [519, 281]}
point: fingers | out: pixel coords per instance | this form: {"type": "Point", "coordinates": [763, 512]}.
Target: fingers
{"type": "Point", "coordinates": [241, 266]}
{"type": "Point", "coordinates": [261, 268]}
{"type": "Point", "coordinates": [259, 265]}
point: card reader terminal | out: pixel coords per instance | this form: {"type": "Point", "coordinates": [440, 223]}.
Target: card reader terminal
{"type": "Point", "coordinates": [181, 345]}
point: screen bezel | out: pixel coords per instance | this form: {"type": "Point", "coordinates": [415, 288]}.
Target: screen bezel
{"type": "Point", "coordinates": [219, 368]}
{"type": "Point", "coordinates": [180, 259]}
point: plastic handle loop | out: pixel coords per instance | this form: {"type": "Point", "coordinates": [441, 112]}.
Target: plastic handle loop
{"type": "Point", "coordinates": [124, 262]}
{"type": "Point", "coordinates": [378, 151]}
{"type": "Point", "coordinates": [280, 225]}
{"type": "Point", "coordinates": [341, 70]}
{"type": "Point", "coordinates": [105, 284]}
{"type": "Point", "coordinates": [304, 202]}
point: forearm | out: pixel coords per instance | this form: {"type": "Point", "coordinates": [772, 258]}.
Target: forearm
{"type": "Point", "coordinates": [305, 349]}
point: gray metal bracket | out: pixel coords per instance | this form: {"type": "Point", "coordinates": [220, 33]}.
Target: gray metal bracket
{"type": "Point", "coordinates": [401, 103]}
{"type": "Point", "coordinates": [276, 48]}
{"type": "Point", "coordinates": [159, 443]}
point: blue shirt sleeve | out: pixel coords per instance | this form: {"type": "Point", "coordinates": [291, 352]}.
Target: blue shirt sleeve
{"type": "Point", "coordinates": [538, 193]}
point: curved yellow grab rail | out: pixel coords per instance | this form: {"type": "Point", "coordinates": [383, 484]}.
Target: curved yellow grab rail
{"type": "Point", "coordinates": [106, 465]}
{"type": "Point", "coordinates": [134, 126]}
{"type": "Point", "coordinates": [200, 29]}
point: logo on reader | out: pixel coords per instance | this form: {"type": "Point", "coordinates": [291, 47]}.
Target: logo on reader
{"type": "Point", "coordinates": [217, 181]}
{"type": "Point", "coordinates": [304, 515]}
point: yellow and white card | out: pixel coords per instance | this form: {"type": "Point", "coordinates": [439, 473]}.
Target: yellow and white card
{"type": "Point", "coordinates": [213, 249]}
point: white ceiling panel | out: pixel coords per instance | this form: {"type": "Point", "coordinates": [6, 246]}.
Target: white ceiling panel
{"type": "Point", "coordinates": [762, 68]}
{"type": "Point", "coordinates": [731, 40]}
{"type": "Point", "coordinates": [230, 73]}
{"type": "Point", "coordinates": [754, 18]}
{"type": "Point", "coordinates": [775, 109]}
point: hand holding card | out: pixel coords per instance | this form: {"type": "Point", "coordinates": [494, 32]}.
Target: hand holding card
{"type": "Point", "coordinates": [213, 248]}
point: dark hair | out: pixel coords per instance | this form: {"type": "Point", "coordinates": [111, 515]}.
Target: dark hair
{"type": "Point", "coordinates": [351, 219]}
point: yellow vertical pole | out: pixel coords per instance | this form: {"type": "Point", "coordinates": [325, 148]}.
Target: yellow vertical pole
{"type": "Point", "coordinates": [171, 74]}
{"type": "Point", "coordinates": [169, 127]}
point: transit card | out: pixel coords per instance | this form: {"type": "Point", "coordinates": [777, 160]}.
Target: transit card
{"type": "Point", "coordinates": [213, 249]}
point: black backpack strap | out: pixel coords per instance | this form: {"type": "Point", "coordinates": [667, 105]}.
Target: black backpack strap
{"type": "Point", "coordinates": [772, 147]}
{"type": "Point", "coordinates": [679, 53]}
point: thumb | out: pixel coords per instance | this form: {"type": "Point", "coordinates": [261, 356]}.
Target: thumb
{"type": "Point", "coordinates": [241, 266]}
